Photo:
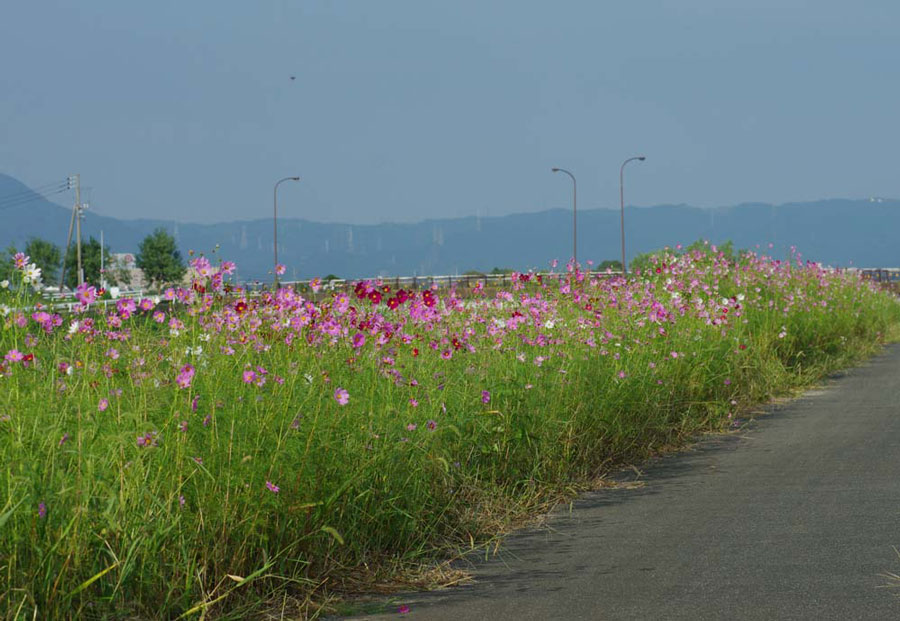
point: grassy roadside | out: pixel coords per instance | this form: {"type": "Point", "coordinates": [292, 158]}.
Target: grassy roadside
{"type": "Point", "coordinates": [239, 452]}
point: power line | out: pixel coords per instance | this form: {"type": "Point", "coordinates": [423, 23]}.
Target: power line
{"type": "Point", "coordinates": [24, 201]}
{"type": "Point", "coordinates": [28, 199]}
{"type": "Point", "coordinates": [36, 190]}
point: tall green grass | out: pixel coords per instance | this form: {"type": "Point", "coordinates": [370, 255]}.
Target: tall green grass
{"type": "Point", "coordinates": [165, 504]}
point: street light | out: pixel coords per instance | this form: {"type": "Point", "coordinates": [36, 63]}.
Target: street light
{"type": "Point", "coordinates": [574, 214]}
{"type": "Point", "coordinates": [640, 158]}
{"type": "Point", "coordinates": [275, 222]}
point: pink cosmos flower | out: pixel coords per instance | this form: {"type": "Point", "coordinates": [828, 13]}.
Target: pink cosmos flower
{"type": "Point", "coordinates": [279, 269]}
{"type": "Point", "coordinates": [86, 294]}
{"type": "Point", "coordinates": [249, 376]}
{"type": "Point", "coordinates": [185, 376]}
{"type": "Point", "coordinates": [341, 304]}
{"type": "Point", "coordinates": [485, 396]}
{"type": "Point", "coordinates": [104, 403]}
{"type": "Point", "coordinates": [14, 355]}
{"type": "Point", "coordinates": [359, 339]}
{"type": "Point", "coordinates": [341, 396]}
{"type": "Point", "coordinates": [272, 487]}
{"type": "Point", "coordinates": [126, 307]}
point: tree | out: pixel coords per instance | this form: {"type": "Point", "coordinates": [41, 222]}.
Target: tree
{"type": "Point", "coordinates": [611, 264]}
{"type": "Point", "coordinates": [648, 261]}
{"type": "Point", "coordinates": [90, 262]}
{"type": "Point", "coordinates": [47, 256]}
{"type": "Point", "coordinates": [6, 263]}
{"type": "Point", "coordinates": [159, 258]}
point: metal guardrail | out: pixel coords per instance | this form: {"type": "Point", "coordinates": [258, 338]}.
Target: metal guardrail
{"type": "Point", "coordinates": [428, 282]}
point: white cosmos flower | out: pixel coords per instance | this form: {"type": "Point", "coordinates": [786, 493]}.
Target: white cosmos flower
{"type": "Point", "coordinates": [549, 324]}
{"type": "Point", "coordinates": [73, 328]}
{"type": "Point", "coordinates": [4, 310]}
{"type": "Point", "coordinates": [205, 337]}
{"type": "Point", "coordinates": [32, 272]}
{"type": "Point", "coordinates": [4, 284]}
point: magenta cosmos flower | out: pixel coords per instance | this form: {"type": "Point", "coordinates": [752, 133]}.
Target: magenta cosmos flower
{"type": "Point", "coordinates": [86, 294]}
{"type": "Point", "coordinates": [14, 355]}
{"type": "Point", "coordinates": [341, 396]}
{"type": "Point", "coordinates": [185, 376]}
{"type": "Point", "coordinates": [485, 396]}
{"type": "Point", "coordinates": [272, 487]}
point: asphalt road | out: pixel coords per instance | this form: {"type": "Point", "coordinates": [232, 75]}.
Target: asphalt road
{"type": "Point", "coordinates": [795, 516]}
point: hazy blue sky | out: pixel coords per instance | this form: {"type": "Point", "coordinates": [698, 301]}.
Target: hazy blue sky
{"type": "Point", "coordinates": [405, 110]}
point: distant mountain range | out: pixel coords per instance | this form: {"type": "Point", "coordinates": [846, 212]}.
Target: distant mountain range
{"type": "Point", "coordinates": [836, 232]}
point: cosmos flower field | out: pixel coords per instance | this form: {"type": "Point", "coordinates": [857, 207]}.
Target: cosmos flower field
{"type": "Point", "coordinates": [190, 453]}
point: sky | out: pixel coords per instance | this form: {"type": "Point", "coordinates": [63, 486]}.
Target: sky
{"type": "Point", "coordinates": [405, 110]}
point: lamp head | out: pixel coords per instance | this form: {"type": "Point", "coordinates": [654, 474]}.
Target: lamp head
{"type": "Point", "coordinates": [298, 178]}
{"type": "Point", "coordinates": [642, 158]}
{"type": "Point", "coordinates": [555, 169]}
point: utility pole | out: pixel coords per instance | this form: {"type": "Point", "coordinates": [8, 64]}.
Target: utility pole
{"type": "Point", "coordinates": [78, 226]}
{"type": "Point", "coordinates": [102, 273]}
{"type": "Point", "coordinates": [73, 181]}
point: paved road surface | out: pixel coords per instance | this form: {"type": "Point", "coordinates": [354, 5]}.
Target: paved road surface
{"type": "Point", "coordinates": [793, 517]}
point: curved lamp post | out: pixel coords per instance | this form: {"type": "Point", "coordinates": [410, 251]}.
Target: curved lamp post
{"type": "Point", "coordinates": [275, 223]}
{"type": "Point", "coordinates": [640, 158]}
{"type": "Point", "coordinates": [574, 213]}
